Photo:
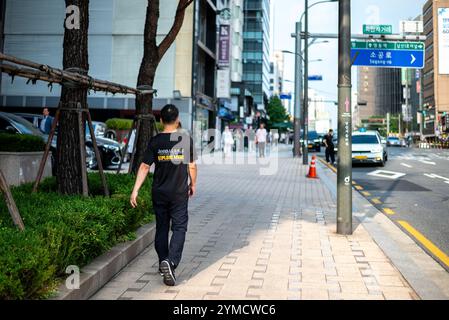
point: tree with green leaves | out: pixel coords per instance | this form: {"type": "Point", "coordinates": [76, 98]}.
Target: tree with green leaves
{"type": "Point", "coordinates": [153, 53]}
{"type": "Point", "coordinates": [277, 112]}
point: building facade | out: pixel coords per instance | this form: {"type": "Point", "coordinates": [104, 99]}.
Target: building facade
{"type": "Point", "coordinates": [256, 50]}
{"type": "Point", "coordinates": [436, 71]}
{"type": "Point", "coordinates": [186, 76]}
{"type": "Point", "coordinates": [366, 84]}
{"type": "Point", "coordinates": [277, 74]}
{"type": "Point", "coordinates": [388, 92]}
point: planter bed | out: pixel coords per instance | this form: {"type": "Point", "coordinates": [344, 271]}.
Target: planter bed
{"type": "Point", "coordinates": [62, 231]}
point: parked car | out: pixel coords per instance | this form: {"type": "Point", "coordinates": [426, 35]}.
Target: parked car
{"type": "Point", "coordinates": [313, 141]}
{"type": "Point", "coordinates": [368, 147]}
{"type": "Point", "coordinates": [111, 151]}
{"type": "Point", "coordinates": [10, 123]}
{"type": "Point", "coordinates": [35, 119]}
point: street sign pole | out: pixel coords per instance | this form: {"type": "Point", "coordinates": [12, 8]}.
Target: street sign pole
{"type": "Point", "coordinates": [305, 119]}
{"type": "Point", "coordinates": [344, 175]}
{"type": "Point", "coordinates": [298, 93]}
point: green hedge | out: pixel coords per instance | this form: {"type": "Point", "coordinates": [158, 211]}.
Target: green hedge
{"type": "Point", "coordinates": [125, 124]}
{"type": "Point", "coordinates": [64, 230]}
{"type": "Point", "coordinates": [20, 143]}
{"type": "Point", "coordinates": [119, 124]}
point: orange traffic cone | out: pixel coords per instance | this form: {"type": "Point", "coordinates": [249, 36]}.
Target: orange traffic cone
{"type": "Point", "coordinates": [312, 170]}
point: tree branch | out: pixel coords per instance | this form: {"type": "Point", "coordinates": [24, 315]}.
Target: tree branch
{"type": "Point", "coordinates": [177, 25]}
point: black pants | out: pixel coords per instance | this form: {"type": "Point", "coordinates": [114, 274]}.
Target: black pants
{"type": "Point", "coordinates": [174, 212]}
{"type": "Point", "coordinates": [330, 155]}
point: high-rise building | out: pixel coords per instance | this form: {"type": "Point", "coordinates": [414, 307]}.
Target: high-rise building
{"type": "Point", "coordinates": [256, 50]}
{"type": "Point", "coordinates": [436, 71]}
{"type": "Point", "coordinates": [388, 91]}
{"type": "Point", "coordinates": [366, 84]}
{"type": "Point", "coordinates": [230, 74]}
{"type": "Point", "coordinates": [277, 74]}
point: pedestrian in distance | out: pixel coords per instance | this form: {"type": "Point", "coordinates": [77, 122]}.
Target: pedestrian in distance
{"type": "Point", "coordinates": [46, 122]}
{"type": "Point", "coordinates": [228, 142]}
{"type": "Point", "coordinates": [276, 138]}
{"type": "Point", "coordinates": [261, 140]}
{"type": "Point", "coordinates": [330, 147]}
{"type": "Point", "coordinates": [174, 182]}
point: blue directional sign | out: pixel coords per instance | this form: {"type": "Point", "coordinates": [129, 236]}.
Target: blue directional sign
{"type": "Point", "coordinates": [388, 54]}
{"type": "Point", "coordinates": [315, 78]}
{"type": "Point", "coordinates": [285, 96]}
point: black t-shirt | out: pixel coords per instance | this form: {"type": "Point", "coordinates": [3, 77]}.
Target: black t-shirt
{"type": "Point", "coordinates": [171, 153]}
{"type": "Point", "coordinates": [329, 140]}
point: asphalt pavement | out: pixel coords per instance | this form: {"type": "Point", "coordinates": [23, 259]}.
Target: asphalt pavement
{"type": "Point", "coordinates": [413, 191]}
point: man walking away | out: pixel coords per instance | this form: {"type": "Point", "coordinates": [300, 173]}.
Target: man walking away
{"type": "Point", "coordinates": [330, 147]}
{"type": "Point", "coordinates": [46, 122]}
{"type": "Point", "coordinates": [173, 154]}
{"type": "Point", "coordinates": [261, 140]}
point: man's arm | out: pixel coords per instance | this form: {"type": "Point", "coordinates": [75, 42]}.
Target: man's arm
{"type": "Point", "coordinates": [325, 142]}
{"type": "Point", "coordinates": [193, 175]}
{"type": "Point", "coordinates": [141, 176]}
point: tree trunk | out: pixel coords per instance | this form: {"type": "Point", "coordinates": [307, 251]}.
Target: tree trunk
{"type": "Point", "coordinates": [152, 55]}
{"type": "Point", "coordinates": [69, 157]}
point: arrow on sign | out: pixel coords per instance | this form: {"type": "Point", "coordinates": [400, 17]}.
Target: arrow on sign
{"type": "Point", "coordinates": [413, 59]}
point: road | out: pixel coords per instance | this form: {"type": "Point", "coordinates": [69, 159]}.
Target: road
{"type": "Point", "coordinates": [413, 191]}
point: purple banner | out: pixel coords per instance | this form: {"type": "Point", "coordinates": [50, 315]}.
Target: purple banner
{"type": "Point", "coordinates": [224, 42]}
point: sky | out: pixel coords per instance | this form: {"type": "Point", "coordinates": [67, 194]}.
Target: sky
{"type": "Point", "coordinates": [323, 18]}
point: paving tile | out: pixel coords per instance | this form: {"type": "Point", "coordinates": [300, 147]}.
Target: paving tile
{"type": "Point", "coordinates": [244, 245]}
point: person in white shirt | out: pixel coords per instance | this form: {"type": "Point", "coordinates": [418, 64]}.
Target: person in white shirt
{"type": "Point", "coordinates": [228, 141]}
{"type": "Point", "coordinates": [261, 140]}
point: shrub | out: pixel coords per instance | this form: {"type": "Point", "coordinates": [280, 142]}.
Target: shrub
{"type": "Point", "coordinates": [63, 230]}
{"type": "Point", "coordinates": [20, 143]}
{"type": "Point", "coordinates": [119, 124]}
{"type": "Point", "coordinates": [126, 124]}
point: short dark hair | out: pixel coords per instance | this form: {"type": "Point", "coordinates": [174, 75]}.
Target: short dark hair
{"type": "Point", "coordinates": [169, 114]}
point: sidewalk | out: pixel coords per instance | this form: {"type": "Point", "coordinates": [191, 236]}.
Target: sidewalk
{"type": "Point", "coordinates": [266, 237]}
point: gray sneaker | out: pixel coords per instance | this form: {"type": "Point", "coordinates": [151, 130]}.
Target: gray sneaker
{"type": "Point", "coordinates": [168, 273]}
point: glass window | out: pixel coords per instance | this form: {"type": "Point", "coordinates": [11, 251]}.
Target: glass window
{"type": "Point", "coordinates": [365, 139]}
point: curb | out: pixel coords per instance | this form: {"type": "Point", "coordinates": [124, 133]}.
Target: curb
{"type": "Point", "coordinates": [96, 274]}
{"type": "Point", "coordinates": [426, 276]}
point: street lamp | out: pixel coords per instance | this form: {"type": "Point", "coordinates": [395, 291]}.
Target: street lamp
{"type": "Point", "coordinates": [302, 58]}
{"type": "Point", "coordinates": [299, 93]}
{"type": "Point", "coordinates": [305, 117]}
{"type": "Point", "coordinates": [299, 77]}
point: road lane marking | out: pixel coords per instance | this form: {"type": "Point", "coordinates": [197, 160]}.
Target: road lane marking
{"type": "Point", "coordinates": [406, 165]}
{"type": "Point", "coordinates": [376, 201]}
{"type": "Point", "coordinates": [366, 194]}
{"type": "Point", "coordinates": [428, 162]}
{"type": "Point", "coordinates": [425, 242]}
{"type": "Point", "coordinates": [328, 165]}
{"type": "Point", "coordinates": [389, 211]}
{"type": "Point", "coordinates": [386, 174]}
{"type": "Point", "coordinates": [435, 176]}
{"type": "Point", "coordinates": [359, 188]}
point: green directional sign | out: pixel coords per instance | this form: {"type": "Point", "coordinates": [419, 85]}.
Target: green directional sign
{"type": "Point", "coordinates": [388, 45]}
{"type": "Point", "coordinates": [377, 29]}
{"type": "Point", "coordinates": [388, 54]}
